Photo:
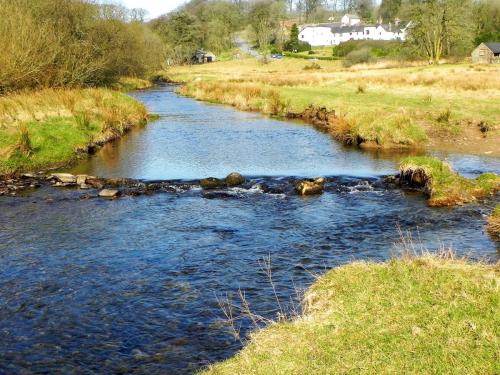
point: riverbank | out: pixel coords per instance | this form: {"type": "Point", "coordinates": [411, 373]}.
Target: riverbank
{"type": "Point", "coordinates": [442, 185]}
{"type": "Point", "coordinates": [417, 315]}
{"type": "Point", "coordinates": [494, 223]}
{"type": "Point", "coordinates": [447, 107]}
{"type": "Point", "coordinates": [50, 128]}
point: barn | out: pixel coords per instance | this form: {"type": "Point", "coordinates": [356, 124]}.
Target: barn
{"type": "Point", "coordinates": [486, 53]}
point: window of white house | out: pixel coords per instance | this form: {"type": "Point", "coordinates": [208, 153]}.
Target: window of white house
{"type": "Point", "coordinates": [481, 52]}
{"type": "Point", "coordinates": [367, 32]}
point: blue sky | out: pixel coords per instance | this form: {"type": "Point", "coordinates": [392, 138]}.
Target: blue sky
{"type": "Point", "coordinates": [154, 7]}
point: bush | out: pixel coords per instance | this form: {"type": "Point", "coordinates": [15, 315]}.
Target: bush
{"type": "Point", "coordinates": [378, 49]}
{"type": "Point", "coordinates": [361, 56]}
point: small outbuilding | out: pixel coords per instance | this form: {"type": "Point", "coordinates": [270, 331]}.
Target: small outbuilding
{"type": "Point", "coordinates": [486, 53]}
{"type": "Point", "coordinates": [202, 57]}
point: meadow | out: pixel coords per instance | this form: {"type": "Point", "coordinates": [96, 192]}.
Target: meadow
{"type": "Point", "coordinates": [383, 105]}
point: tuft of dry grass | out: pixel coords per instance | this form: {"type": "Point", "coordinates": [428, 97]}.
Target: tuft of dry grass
{"type": "Point", "coordinates": [494, 223]}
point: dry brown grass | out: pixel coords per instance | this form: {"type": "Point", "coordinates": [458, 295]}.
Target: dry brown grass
{"type": "Point", "coordinates": [494, 223]}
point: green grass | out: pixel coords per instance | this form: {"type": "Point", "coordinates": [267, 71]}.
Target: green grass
{"type": "Point", "coordinates": [443, 185]}
{"type": "Point", "coordinates": [50, 128]}
{"type": "Point", "coordinates": [426, 315]}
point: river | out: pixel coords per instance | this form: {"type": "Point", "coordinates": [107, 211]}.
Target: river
{"type": "Point", "coordinates": [134, 285]}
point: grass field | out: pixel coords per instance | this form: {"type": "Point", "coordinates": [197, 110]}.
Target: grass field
{"type": "Point", "coordinates": [424, 315]}
{"type": "Point", "coordinates": [50, 127]}
{"type": "Point", "coordinates": [454, 106]}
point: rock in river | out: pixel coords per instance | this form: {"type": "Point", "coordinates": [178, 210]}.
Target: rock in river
{"type": "Point", "coordinates": [212, 183]}
{"type": "Point", "coordinates": [108, 193]}
{"type": "Point", "coordinates": [235, 179]}
{"type": "Point", "coordinates": [311, 187]}
{"type": "Point", "coordinates": [64, 178]}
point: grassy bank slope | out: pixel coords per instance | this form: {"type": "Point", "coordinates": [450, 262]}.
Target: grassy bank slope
{"type": "Point", "coordinates": [494, 223]}
{"type": "Point", "coordinates": [443, 185]}
{"type": "Point", "coordinates": [419, 316]}
{"type": "Point", "coordinates": [50, 127]}
{"type": "Point", "coordinates": [446, 107]}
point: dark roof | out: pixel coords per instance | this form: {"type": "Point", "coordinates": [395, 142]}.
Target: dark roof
{"type": "Point", "coordinates": [494, 47]}
{"type": "Point", "coordinates": [348, 29]}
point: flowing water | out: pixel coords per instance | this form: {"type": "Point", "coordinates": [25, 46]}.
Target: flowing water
{"type": "Point", "coordinates": [134, 285]}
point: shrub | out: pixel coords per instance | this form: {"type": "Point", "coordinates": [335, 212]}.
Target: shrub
{"type": "Point", "coordinates": [361, 56]}
{"type": "Point", "coordinates": [312, 66]}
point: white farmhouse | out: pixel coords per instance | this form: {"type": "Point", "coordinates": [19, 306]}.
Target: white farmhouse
{"type": "Point", "coordinates": [351, 28]}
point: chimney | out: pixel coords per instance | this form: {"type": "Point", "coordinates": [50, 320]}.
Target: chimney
{"type": "Point", "coordinates": [390, 26]}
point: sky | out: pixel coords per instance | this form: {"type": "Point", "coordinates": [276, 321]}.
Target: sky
{"type": "Point", "coordinates": [155, 8]}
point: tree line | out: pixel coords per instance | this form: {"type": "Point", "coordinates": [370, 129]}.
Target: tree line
{"type": "Point", "coordinates": [65, 43]}
{"type": "Point", "coordinates": [440, 28]}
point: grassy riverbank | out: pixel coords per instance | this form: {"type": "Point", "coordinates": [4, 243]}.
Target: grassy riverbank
{"type": "Point", "coordinates": [444, 186]}
{"type": "Point", "coordinates": [414, 316]}
{"type": "Point", "coordinates": [494, 223]}
{"type": "Point", "coordinates": [442, 107]}
{"type": "Point", "coordinates": [51, 127]}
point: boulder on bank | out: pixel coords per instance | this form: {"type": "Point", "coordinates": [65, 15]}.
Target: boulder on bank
{"type": "Point", "coordinates": [310, 187]}
{"type": "Point", "coordinates": [109, 193]}
{"type": "Point", "coordinates": [212, 183]}
{"type": "Point", "coordinates": [234, 179]}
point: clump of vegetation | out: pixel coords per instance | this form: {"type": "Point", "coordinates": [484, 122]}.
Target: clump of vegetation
{"type": "Point", "coordinates": [444, 117]}
{"type": "Point", "coordinates": [361, 56]}
{"type": "Point", "coordinates": [50, 127]}
{"type": "Point", "coordinates": [494, 223]}
{"type": "Point", "coordinates": [312, 66]}
{"type": "Point", "coordinates": [443, 186]}
{"type": "Point", "coordinates": [361, 89]}
{"type": "Point", "coordinates": [412, 315]}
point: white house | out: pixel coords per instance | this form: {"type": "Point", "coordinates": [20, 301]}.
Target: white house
{"type": "Point", "coordinates": [351, 28]}
{"type": "Point", "coordinates": [350, 20]}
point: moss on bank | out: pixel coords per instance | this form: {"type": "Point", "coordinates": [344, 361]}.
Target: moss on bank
{"type": "Point", "coordinates": [414, 316]}
{"type": "Point", "coordinates": [51, 127]}
{"type": "Point", "coordinates": [444, 186]}
{"type": "Point", "coordinates": [494, 223]}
